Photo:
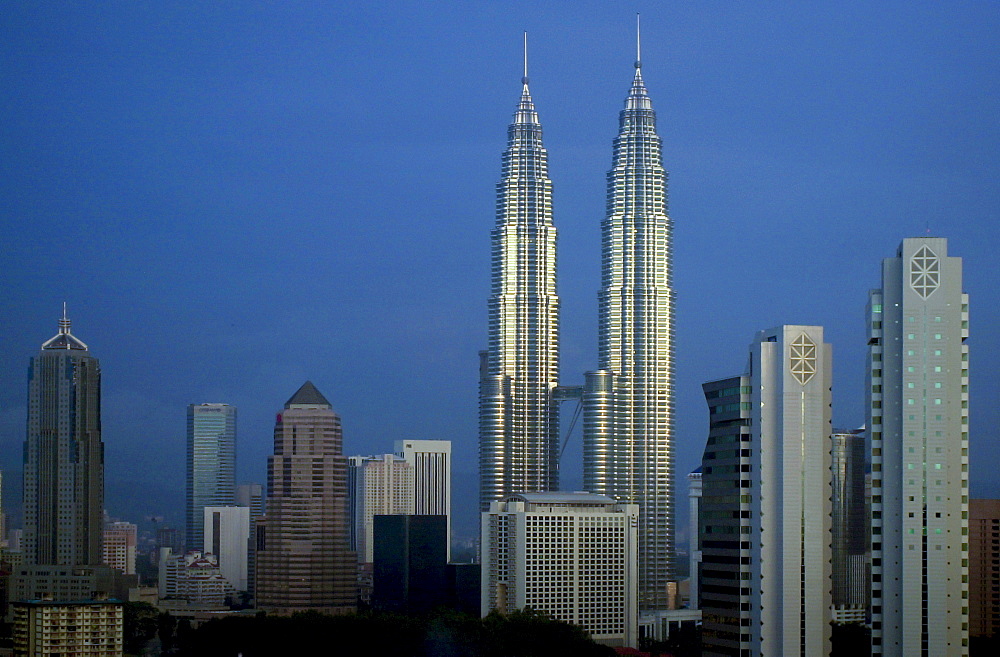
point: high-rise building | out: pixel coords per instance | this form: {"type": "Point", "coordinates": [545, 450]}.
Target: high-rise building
{"type": "Point", "coordinates": [984, 568]}
{"type": "Point", "coordinates": [380, 485]}
{"type": "Point", "coordinates": [569, 555]}
{"type": "Point", "coordinates": [724, 520]}
{"type": "Point", "coordinates": [629, 401]}
{"type": "Point", "coordinates": [518, 417]}
{"type": "Point", "coordinates": [694, 549]}
{"type": "Point", "coordinates": [252, 496]}
{"type": "Point", "coordinates": [918, 383]}
{"type": "Point", "coordinates": [211, 464]}
{"type": "Point", "coordinates": [64, 455]}
{"type": "Point", "coordinates": [119, 546]}
{"type": "Point", "coordinates": [410, 563]}
{"type": "Point", "coordinates": [431, 462]}
{"type": "Point", "coordinates": [227, 531]}
{"type": "Point", "coordinates": [303, 558]}
{"type": "Point", "coordinates": [851, 561]}
{"type": "Point", "coordinates": [765, 519]}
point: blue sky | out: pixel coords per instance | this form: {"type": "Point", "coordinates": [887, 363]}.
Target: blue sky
{"type": "Point", "coordinates": [236, 197]}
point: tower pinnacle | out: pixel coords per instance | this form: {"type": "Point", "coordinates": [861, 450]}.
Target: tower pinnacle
{"type": "Point", "coordinates": [524, 80]}
{"type": "Point", "coordinates": [64, 322]}
{"type": "Point", "coordinates": [638, 48]}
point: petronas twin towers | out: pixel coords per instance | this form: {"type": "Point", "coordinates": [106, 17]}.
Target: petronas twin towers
{"type": "Point", "coordinates": [628, 401]}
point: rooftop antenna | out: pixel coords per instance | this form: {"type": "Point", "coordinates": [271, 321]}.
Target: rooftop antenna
{"type": "Point", "coordinates": [64, 322]}
{"type": "Point", "coordinates": [638, 47]}
{"type": "Point", "coordinates": [524, 80]}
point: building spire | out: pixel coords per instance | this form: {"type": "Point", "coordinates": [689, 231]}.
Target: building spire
{"type": "Point", "coordinates": [638, 47]}
{"type": "Point", "coordinates": [637, 98]}
{"type": "Point", "coordinates": [524, 80]}
{"type": "Point", "coordinates": [526, 108]}
{"type": "Point", "coordinates": [64, 322]}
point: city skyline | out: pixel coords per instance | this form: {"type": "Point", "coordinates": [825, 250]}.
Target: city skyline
{"type": "Point", "coordinates": [798, 161]}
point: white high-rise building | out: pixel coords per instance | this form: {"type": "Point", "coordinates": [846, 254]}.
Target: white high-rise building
{"type": "Point", "coordinates": [764, 526]}
{"type": "Point", "coordinates": [431, 463]}
{"type": "Point", "coordinates": [519, 370]}
{"type": "Point", "coordinates": [227, 531]}
{"type": "Point", "coordinates": [628, 403]}
{"type": "Point", "coordinates": [918, 383]}
{"type": "Point", "coordinates": [572, 556]}
{"type": "Point", "coordinates": [378, 485]}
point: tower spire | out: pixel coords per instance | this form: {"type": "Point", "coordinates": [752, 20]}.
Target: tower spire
{"type": "Point", "coordinates": [524, 80]}
{"type": "Point", "coordinates": [64, 322]}
{"type": "Point", "coordinates": [638, 47]}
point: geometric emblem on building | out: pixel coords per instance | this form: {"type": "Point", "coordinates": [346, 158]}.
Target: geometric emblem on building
{"type": "Point", "coordinates": [802, 359]}
{"type": "Point", "coordinates": [925, 272]}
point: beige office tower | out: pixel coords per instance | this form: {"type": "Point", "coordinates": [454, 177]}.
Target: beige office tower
{"type": "Point", "coordinates": [918, 383]}
{"type": "Point", "coordinates": [378, 486]}
{"type": "Point", "coordinates": [119, 546]}
{"type": "Point", "coordinates": [303, 558]}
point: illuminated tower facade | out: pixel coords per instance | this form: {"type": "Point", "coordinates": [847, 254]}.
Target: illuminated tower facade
{"type": "Point", "coordinates": [518, 418]}
{"type": "Point", "coordinates": [628, 402]}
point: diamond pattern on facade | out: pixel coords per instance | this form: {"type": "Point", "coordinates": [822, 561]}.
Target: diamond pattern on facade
{"type": "Point", "coordinates": [802, 359]}
{"type": "Point", "coordinates": [925, 272]}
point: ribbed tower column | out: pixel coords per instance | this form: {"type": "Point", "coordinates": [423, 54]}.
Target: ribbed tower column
{"type": "Point", "coordinates": [628, 432]}
{"type": "Point", "coordinates": [518, 420]}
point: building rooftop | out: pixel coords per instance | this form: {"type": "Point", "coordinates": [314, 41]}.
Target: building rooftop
{"type": "Point", "coordinates": [562, 497]}
{"type": "Point", "coordinates": [307, 395]}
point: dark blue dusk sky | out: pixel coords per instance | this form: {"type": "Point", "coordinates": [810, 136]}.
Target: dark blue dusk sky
{"type": "Point", "coordinates": [236, 197]}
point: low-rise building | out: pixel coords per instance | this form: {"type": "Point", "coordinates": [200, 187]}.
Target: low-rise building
{"type": "Point", "coordinates": [194, 577]}
{"type": "Point", "coordinates": [85, 628]}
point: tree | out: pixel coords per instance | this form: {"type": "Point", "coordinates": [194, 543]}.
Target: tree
{"type": "Point", "coordinates": [140, 625]}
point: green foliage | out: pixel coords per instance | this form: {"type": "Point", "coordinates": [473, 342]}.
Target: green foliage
{"type": "Point", "coordinates": [140, 624]}
{"type": "Point", "coordinates": [445, 634]}
{"type": "Point", "coordinates": [165, 626]}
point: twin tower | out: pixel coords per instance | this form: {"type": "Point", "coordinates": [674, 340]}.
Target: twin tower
{"type": "Point", "coordinates": [628, 402]}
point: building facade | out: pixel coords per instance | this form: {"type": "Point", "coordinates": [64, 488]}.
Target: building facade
{"type": "Point", "coordinates": [629, 402]}
{"type": "Point", "coordinates": [518, 417]}
{"type": "Point", "coordinates": [303, 558]}
{"type": "Point", "coordinates": [211, 464]}
{"type": "Point", "coordinates": [379, 485]}
{"type": "Point", "coordinates": [694, 548]}
{"type": "Point", "coordinates": [94, 628]}
{"type": "Point", "coordinates": [984, 568]}
{"type": "Point", "coordinates": [918, 382]}
{"type": "Point", "coordinates": [64, 455]}
{"type": "Point", "coordinates": [850, 542]}
{"type": "Point", "coordinates": [431, 462]}
{"type": "Point", "coordinates": [251, 496]}
{"type": "Point", "coordinates": [227, 533]}
{"type": "Point", "coordinates": [724, 520]}
{"type": "Point", "coordinates": [410, 573]}
{"type": "Point", "coordinates": [572, 556]}
{"type": "Point", "coordinates": [765, 528]}
{"type": "Point", "coordinates": [193, 579]}
{"type": "Point", "coordinates": [119, 546]}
